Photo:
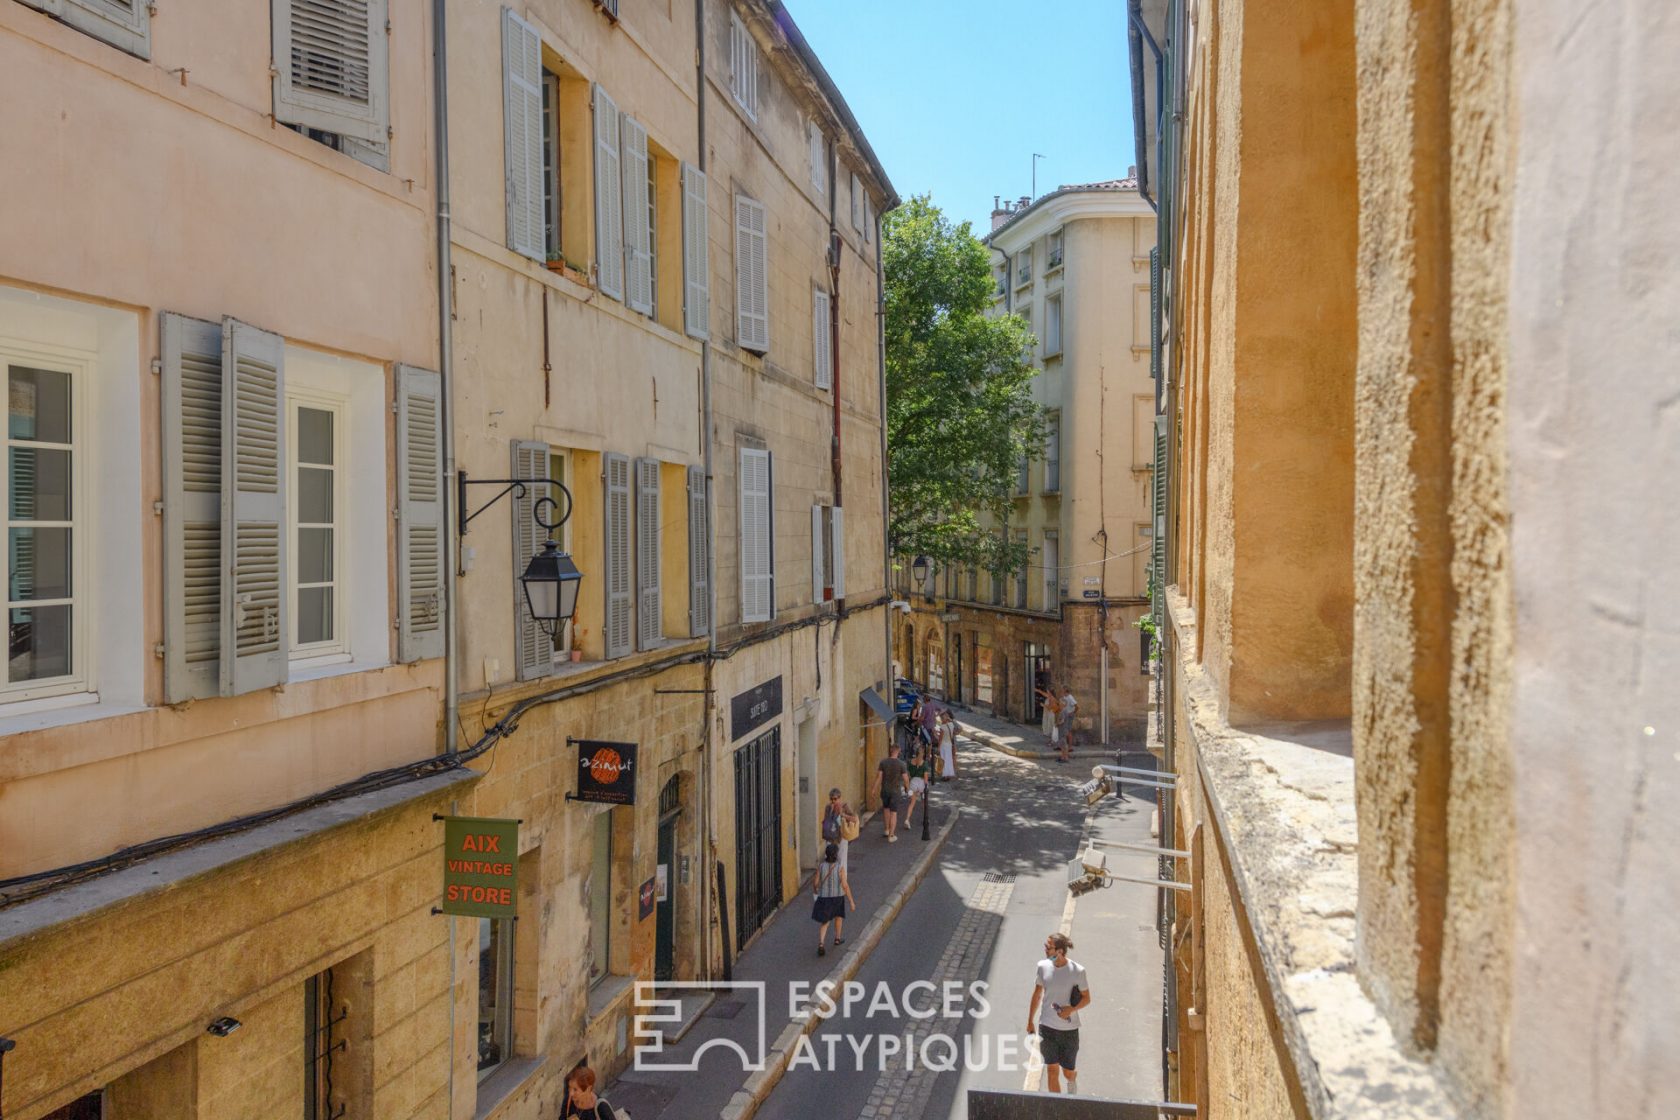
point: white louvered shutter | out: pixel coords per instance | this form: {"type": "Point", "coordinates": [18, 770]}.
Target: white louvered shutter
{"type": "Point", "coordinates": [256, 621]}
{"type": "Point", "coordinates": [819, 522]}
{"type": "Point", "coordinates": [743, 66]}
{"type": "Point", "coordinates": [522, 125]}
{"type": "Point", "coordinates": [125, 24]}
{"type": "Point", "coordinates": [752, 296]}
{"type": "Point", "coordinates": [697, 299]}
{"type": "Point", "coordinates": [192, 508]}
{"type": "Point", "coordinates": [330, 66]}
{"type": "Point", "coordinates": [650, 619]}
{"type": "Point", "coordinates": [819, 161]}
{"type": "Point", "coordinates": [758, 599]}
{"type": "Point", "coordinates": [618, 596]}
{"type": "Point", "coordinates": [533, 650]}
{"type": "Point", "coordinates": [839, 537]}
{"type": "Point", "coordinates": [609, 201]}
{"type": "Point", "coordinates": [822, 350]}
{"type": "Point", "coordinates": [699, 585]}
{"type": "Point", "coordinates": [857, 203]}
{"type": "Point", "coordinates": [638, 233]}
{"type": "Point", "coordinates": [420, 572]}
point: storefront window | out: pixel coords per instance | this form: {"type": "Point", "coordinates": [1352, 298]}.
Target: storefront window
{"type": "Point", "coordinates": [600, 898]}
{"type": "Point", "coordinates": [495, 993]}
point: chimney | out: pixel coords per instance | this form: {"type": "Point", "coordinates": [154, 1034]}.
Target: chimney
{"type": "Point", "coordinates": [1131, 171]}
{"type": "Point", "coordinates": [1026, 201]}
{"type": "Point", "coordinates": [1001, 212]}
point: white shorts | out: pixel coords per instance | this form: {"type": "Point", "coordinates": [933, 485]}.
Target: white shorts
{"type": "Point", "coordinates": [918, 786]}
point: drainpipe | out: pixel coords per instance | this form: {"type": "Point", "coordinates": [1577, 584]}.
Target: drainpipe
{"type": "Point", "coordinates": [708, 841]}
{"type": "Point", "coordinates": [886, 545]}
{"type": "Point", "coordinates": [834, 251]}
{"type": "Point", "coordinates": [446, 369]}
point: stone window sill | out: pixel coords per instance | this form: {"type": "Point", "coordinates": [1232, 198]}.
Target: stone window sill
{"type": "Point", "coordinates": [503, 1083]}
{"type": "Point", "coordinates": [605, 995]}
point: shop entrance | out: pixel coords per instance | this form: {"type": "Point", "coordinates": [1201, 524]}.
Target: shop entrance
{"type": "Point", "coordinates": [1036, 677]}
{"type": "Point", "coordinates": [758, 833]}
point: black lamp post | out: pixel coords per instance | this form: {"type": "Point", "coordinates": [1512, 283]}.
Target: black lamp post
{"type": "Point", "coordinates": [919, 573]}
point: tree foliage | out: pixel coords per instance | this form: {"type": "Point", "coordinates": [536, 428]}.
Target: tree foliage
{"type": "Point", "coordinates": [960, 413]}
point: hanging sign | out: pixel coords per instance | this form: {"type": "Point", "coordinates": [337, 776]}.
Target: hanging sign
{"type": "Point", "coordinates": [646, 897]}
{"type": "Point", "coordinates": [480, 862]}
{"type": "Point", "coordinates": [606, 772]}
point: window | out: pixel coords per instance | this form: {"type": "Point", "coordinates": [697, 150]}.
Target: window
{"type": "Point", "coordinates": [125, 24]}
{"type": "Point", "coordinates": [495, 993]}
{"type": "Point", "coordinates": [551, 165]}
{"type": "Point", "coordinates": [1050, 565]}
{"type": "Point", "coordinates": [1021, 573]}
{"type": "Point", "coordinates": [1023, 266]}
{"type": "Point", "coordinates": [822, 341]}
{"type": "Point", "coordinates": [44, 652]}
{"type": "Point", "coordinates": [743, 67]}
{"type": "Point", "coordinates": [1054, 260]}
{"type": "Point", "coordinates": [1022, 485]}
{"type": "Point", "coordinates": [1053, 453]}
{"type": "Point", "coordinates": [819, 158]}
{"type": "Point", "coordinates": [752, 282]}
{"type": "Point", "coordinates": [330, 66]}
{"type": "Point", "coordinates": [828, 554]}
{"type": "Point", "coordinates": [857, 203]}
{"type": "Point", "coordinates": [600, 897]}
{"type": "Point", "coordinates": [1053, 325]}
{"type": "Point", "coordinates": [89, 1107]}
{"type": "Point", "coordinates": [758, 583]}
{"type": "Point", "coordinates": [317, 482]}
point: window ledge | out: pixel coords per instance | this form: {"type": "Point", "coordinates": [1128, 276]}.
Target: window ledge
{"type": "Point", "coordinates": [59, 711]}
{"type": "Point", "coordinates": [607, 993]}
{"type": "Point", "coordinates": [335, 665]}
{"type": "Point", "coordinates": [503, 1082]}
{"type": "Point", "coordinates": [1281, 796]}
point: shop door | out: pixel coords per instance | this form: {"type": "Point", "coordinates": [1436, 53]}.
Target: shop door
{"type": "Point", "coordinates": [1037, 677]}
{"type": "Point", "coordinates": [758, 833]}
{"type": "Point", "coordinates": [665, 916]}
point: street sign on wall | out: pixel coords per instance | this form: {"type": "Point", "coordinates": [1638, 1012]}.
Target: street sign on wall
{"type": "Point", "coordinates": [480, 867]}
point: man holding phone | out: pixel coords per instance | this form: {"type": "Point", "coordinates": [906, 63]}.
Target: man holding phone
{"type": "Point", "coordinates": [1062, 988]}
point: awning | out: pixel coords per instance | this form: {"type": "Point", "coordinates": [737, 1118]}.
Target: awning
{"type": "Point", "coordinates": [883, 710]}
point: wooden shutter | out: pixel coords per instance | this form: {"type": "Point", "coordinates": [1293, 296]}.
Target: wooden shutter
{"type": "Point", "coordinates": [1155, 313]}
{"type": "Point", "coordinates": [125, 24]}
{"type": "Point", "coordinates": [522, 125]}
{"type": "Point", "coordinates": [192, 508]}
{"type": "Point", "coordinates": [609, 201]}
{"type": "Point", "coordinates": [699, 585]}
{"type": "Point", "coordinates": [256, 620]}
{"type": "Point", "coordinates": [533, 650]}
{"type": "Point", "coordinates": [757, 586]}
{"type": "Point", "coordinates": [420, 529]}
{"type": "Point", "coordinates": [819, 161]}
{"type": "Point", "coordinates": [822, 351]}
{"type": "Point", "coordinates": [638, 235]}
{"type": "Point", "coordinates": [697, 299]}
{"type": "Point", "coordinates": [819, 568]}
{"type": "Point", "coordinates": [1158, 543]}
{"type": "Point", "coordinates": [839, 537]}
{"type": "Point", "coordinates": [752, 296]}
{"type": "Point", "coordinates": [743, 66]}
{"type": "Point", "coordinates": [616, 630]}
{"type": "Point", "coordinates": [330, 65]}
{"type": "Point", "coordinates": [649, 617]}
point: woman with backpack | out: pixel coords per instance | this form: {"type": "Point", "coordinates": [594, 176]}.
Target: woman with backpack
{"type": "Point", "coordinates": [830, 892]}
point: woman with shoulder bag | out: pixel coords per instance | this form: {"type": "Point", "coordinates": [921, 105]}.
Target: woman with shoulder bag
{"type": "Point", "coordinates": [839, 823]}
{"type": "Point", "coordinates": [830, 892]}
{"type": "Point", "coordinates": [581, 1100]}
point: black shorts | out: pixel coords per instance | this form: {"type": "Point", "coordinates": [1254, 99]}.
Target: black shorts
{"type": "Point", "coordinates": [889, 803]}
{"type": "Point", "coordinates": [1059, 1048]}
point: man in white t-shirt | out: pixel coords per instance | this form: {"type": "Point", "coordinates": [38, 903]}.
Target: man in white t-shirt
{"type": "Point", "coordinates": [1062, 988]}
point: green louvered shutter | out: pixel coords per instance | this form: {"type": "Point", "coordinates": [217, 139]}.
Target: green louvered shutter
{"type": "Point", "coordinates": [1158, 543]}
{"type": "Point", "coordinates": [1154, 313]}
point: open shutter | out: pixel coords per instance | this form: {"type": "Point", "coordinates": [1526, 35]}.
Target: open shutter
{"type": "Point", "coordinates": [697, 300]}
{"type": "Point", "coordinates": [192, 508]}
{"type": "Point", "coordinates": [638, 235]}
{"type": "Point", "coordinates": [751, 283]}
{"type": "Point", "coordinates": [1158, 542]}
{"type": "Point", "coordinates": [616, 630]}
{"type": "Point", "coordinates": [757, 589]}
{"type": "Point", "coordinates": [125, 24]}
{"type": "Point", "coordinates": [420, 573]}
{"type": "Point", "coordinates": [255, 622]}
{"type": "Point", "coordinates": [819, 569]}
{"type": "Point", "coordinates": [1155, 313]}
{"type": "Point", "coordinates": [609, 201]}
{"type": "Point", "coordinates": [839, 537]}
{"type": "Point", "coordinates": [649, 615]}
{"type": "Point", "coordinates": [533, 650]}
{"type": "Point", "coordinates": [699, 587]}
{"type": "Point", "coordinates": [330, 65]}
{"type": "Point", "coordinates": [522, 124]}
{"type": "Point", "coordinates": [822, 351]}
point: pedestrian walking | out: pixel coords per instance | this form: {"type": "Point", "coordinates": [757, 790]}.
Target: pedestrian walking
{"type": "Point", "coordinates": [581, 1099]}
{"type": "Point", "coordinates": [1069, 707]}
{"type": "Point", "coordinates": [839, 823]}
{"type": "Point", "coordinates": [918, 783]}
{"type": "Point", "coordinates": [892, 782]}
{"type": "Point", "coordinates": [1061, 989]}
{"type": "Point", "coordinates": [947, 747]}
{"type": "Point", "coordinates": [1052, 705]}
{"type": "Point", "coordinates": [830, 892]}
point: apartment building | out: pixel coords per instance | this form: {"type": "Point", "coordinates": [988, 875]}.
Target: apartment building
{"type": "Point", "coordinates": [228, 733]}
{"type": "Point", "coordinates": [1075, 264]}
{"type": "Point", "coordinates": [1418, 632]}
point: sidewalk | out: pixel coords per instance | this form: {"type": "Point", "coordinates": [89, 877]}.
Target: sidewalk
{"type": "Point", "coordinates": [882, 876]}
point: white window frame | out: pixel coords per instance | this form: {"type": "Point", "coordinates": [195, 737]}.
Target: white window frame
{"type": "Point", "coordinates": [743, 66]}
{"type": "Point", "coordinates": [1053, 325]}
{"type": "Point", "coordinates": [338, 647]}
{"type": "Point", "coordinates": [80, 679]}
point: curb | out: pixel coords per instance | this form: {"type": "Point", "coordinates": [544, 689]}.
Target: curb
{"type": "Point", "coordinates": [746, 1101]}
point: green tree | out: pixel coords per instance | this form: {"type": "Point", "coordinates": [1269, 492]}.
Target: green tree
{"type": "Point", "coordinates": [960, 414]}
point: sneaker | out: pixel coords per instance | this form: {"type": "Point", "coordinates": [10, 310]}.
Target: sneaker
{"type": "Point", "coordinates": [893, 839]}
{"type": "Point", "coordinates": [821, 952]}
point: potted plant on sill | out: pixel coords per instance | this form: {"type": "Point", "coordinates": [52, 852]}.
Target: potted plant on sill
{"type": "Point", "coordinates": [556, 263]}
{"type": "Point", "coordinates": [577, 643]}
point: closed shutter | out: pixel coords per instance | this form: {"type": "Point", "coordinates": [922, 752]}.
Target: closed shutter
{"type": "Point", "coordinates": [822, 353]}
{"type": "Point", "coordinates": [752, 295]}
{"type": "Point", "coordinates": [330, 61]}
{"type": "Point", "coordinates": [1158, 544]}
{"type": "Point", "coordinates": [616, 630]}
{"type": "Point", "coordinates": [533, 650]}
{"type": "Point", "coordinates": [255, 622]}
{"type": "Point", "coordinates": [839, 537]}
{"type": "Point", "coordinates": [1155, 313]}
{"type": "Point", "coordinates": [420, 565]}
{"type": "Point", "coordinates": [819, 161]}
{"type": "Point", "coordinates": [638, 236]}
{"type": "Point", "coordinates": [192, 508]}
{"type": "Point", "coordinates": [649, 616]}
{"type": "Point", "coordinates": [522, 125]}
{"type": "Point", "coordinates": [857, 203]}
{"type": "Point", "coordinates": [819, 551]}
{"type": "Point", "coordinates": [609, 201]}
{"type": "Point", "coordinates": [743, 66]}
{"type": "Point", "coordinates": [699, 585]}
{"type": "Point", "coordinates": [757, 583]}
{"type": "Point", "coordinates": [697, 299]}
{"type": "Point", "coordinates": [125, 24]}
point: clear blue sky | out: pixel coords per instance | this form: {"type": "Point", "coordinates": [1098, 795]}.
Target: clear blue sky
{"type": "Point", "coordinates": [956, 95]}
